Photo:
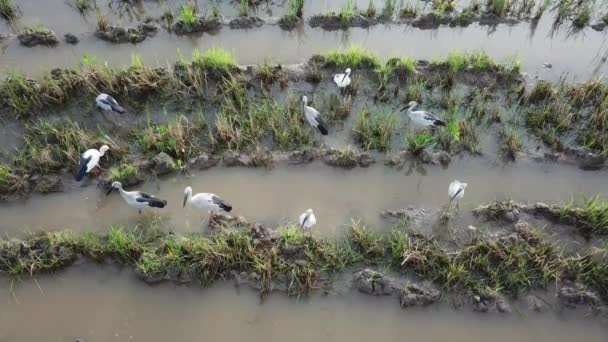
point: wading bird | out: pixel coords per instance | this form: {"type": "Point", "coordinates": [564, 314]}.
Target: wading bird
{"type": "Point", "coordinates": [456, 191]}
{"type": "Point", "coordinates": [138, 199]}
{"type": "Point", "coordinates": [313, 117]}
{"type": "Point", "coordinates": [205, 200]}
{"type": "Point", "coordinates": [342, 80]}
{"type": "Point", "coordinates": [88, 160]}
{"type": "Point", "coordinates": [107, 103]}
{"type": "Point", "coordinates": [422, 118]}
{"type": "Point", "coordinates": [307, 220]}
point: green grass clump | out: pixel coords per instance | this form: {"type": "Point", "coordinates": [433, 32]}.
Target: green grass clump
{"type": "Point", "coordinates": [187, 16]}
{"type": "Point", "coordinates": [348, 12]}
{"type": "Point", "coordinates": [371, 9]}
{"type": "Point", "coordinates": [123, 173]}
{"type": "Point", "coordinates": [10, 181]}
{"type": "Point", "coordinates": [214, 59]}
{"type": "Point", "coordinates": [244, 8]}
{"type": "Point", "coordinates": [477, 61]}
{"type": "Point", "coordinates": [417, 142]}
{"type": "Point", "coordinates": [389, 8]}
{"type": "Point", "coordinates": [7, 10]}
{"type": "Point", "coordinates": [375, 132]}
{"type": "Point", "coordinates": [296, 8]}
{"type": "Point", "coordinates": [18, 94]}
{"type": "Point", "coordinates": [582, 17]}
{"type": "Point", "coordinates": [177, 138]}
{"type": "Point", "coordinates": [498, 7]}
{"type": "Point", "coordinates": [509, 264]}
{"type": "Point", "coordinates": [414, 90]}
{"type": "Point", "coordinates": [81, 5]}
{"type": "Point", "coordinates": [591, 216]}
{"type": "Point", "coordinates": [408, 11]}
{"type": "Point", "coordinates": [353, 57]}
{"type": "Point", "coordinates": [512, 144]}
{"type": "Point", "coordinates": [405, 65]}
{"type": "Point", "coordinates": [440, 7]}
{"type": "Point", "coordinates": [215, 9]}
{"type": "Point", "coordinates": [50, 146]}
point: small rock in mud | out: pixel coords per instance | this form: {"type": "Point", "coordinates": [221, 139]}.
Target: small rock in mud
{"type": "Point", "coordinates": [48, 183]}
{"type": "Point", "coordinates": [70, 38]}
{"type": "Point", "coordinates": [483, 303]}
{"type": "Point", "coordinates": [163, 164]}
{"type": "Point", "coordinates": [289, 22]}
{"type": "Point", "coordinates": [365, 160]}
{"type": "Point", "coordinates": [302, 157]}
{"type": "Point", "coordinates": [371, 282]}
{"type": "Point", "coordinates": [231, 159]}
{"type": "Point", "coordinates": [599, 26]}
{"type": "Point", "coordinates": [201, 25]}
{"type": "Point", "coordinates": [501, 211]}
{"type": "Point", "coordinates": [418, 295]}
{"type": "Point", "coordinates": [401, 214]}
{"type": "Point", "coordinates": [246, 22]}
{"type": "Point", "coordinates": [427, 157]}
{"type": "Point", "coordinates": [534, 303]}
{"type": "Point", "coordinates": [39, 36]}
{"type": "Point", "coordinates": [443, 157]}
{"type": "Point", "coordinates": [202, 162]}
{"type": "Point", "coordinates": [429, 21]}
{"type": "Point", "coordinates": [576, 294]}
{"type": "Point", "coordinates": [592, 162]}
{"type": "Point", "coordinates": [502, 305]}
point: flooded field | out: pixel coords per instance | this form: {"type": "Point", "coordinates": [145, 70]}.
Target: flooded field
{"type": "Point", "coordinates": [127, 310]}
{"type": "Point", "coordinates": [239, 99]}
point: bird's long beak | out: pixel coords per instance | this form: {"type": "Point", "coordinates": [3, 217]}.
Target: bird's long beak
{"type": "Point", "coordinates": [343, 77]}
{"type": "Point", "coordinates": [404, 108]}
{"type": "Point", "coordinates": [109, 191]}
{"type": "Point", "coordinates": [185, 200]}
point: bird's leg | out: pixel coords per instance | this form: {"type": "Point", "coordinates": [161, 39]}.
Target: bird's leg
{"type": "Point", "coordinates": [139, 210]}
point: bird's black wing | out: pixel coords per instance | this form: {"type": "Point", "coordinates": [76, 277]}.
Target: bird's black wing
{"type": "Point", "coordinates": [82, 168]}
{"type": "Point", "coordinates": [221, 203]}
{"type": "Point", "coordinates": [151, 200]}
{"type": "Point", "coordinates": [434, 119]}
{"type": "Point", "coordinates": [106, 102]}
{"type": "Point", "coordinates": [143, 195]}
{"type": "Point", "coordinates": [321, 124]}
{"type": "Point", "coordinates": [111, 99]}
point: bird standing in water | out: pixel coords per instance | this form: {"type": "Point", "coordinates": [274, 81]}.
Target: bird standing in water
{"type": "Point", "coordinates": [137, 199]}
{"type": "Point", "coordinates": [307, 220]}
{"type": "Point", "coordinates": [456, 192]}
{"type": "Point", "coordinates": [89, 160]}
{"type": "Point", "coordinates": [204, 200]}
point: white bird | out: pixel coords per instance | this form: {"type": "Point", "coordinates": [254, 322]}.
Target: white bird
{"type": "Point", "coordinates": [307, 220]}
{"type": "Point", "coordinates": [313, 117]}
{"type": "Point", "coordinates": [107, 103]}
{"type": "Point", "coordinates": [456, 191]}
{"type": "Point", "coordinates": [205, 200]}
{"type": "Point", "coordinates": [88, 160]}
{"type": "Point", "coordinates": [138, 199]}
{"type": "Point", "coordinates": [422, 118]}
{"type": "Point", "coordinates": [342, 80]}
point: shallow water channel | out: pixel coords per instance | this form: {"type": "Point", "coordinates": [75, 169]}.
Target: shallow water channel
{"type": "Point", "coordinates": [106, 304]}
{"type": "Point", "coordinates": [281, 194]}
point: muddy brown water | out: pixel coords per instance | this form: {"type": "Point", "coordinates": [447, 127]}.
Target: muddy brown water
{"type": "Point", "coordinates": [107, 304]}
{"type": "Point", "coordinates": [578, 55]}
{"type": "Point", "coordinates": [281, 194]}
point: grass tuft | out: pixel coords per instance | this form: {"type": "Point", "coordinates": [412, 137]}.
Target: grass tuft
{"type": "Point", "coordinates": [353, 57]}
{"type": "Point", "coordinates": [375, 132]}
{"type": "Point", "coordinates": [417, 142]}
{"type": "Point", "coordinates": [7, 10]}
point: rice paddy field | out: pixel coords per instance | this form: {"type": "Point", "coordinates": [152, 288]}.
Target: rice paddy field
{"type": "Point", "coordinates": [507, 96]}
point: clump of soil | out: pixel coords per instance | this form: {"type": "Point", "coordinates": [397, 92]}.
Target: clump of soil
{"type": "Point", "coordinates": [117, 34]}
{"type": "Point", "coordinates": [418, 295]}
{"type": "Point", "coordinates": [201, 25]}
{"type": "Point", "coordinates": [333, 21]}
{"type": "Point", "coordinates": [371, 282]}
{"type": "Point", "coordinates": [37, 36]}
{"type": "Point", "coordinates": [246, 22]}
{"type": "Point", "coordinates": [289, 22]}
{"type": "Point", "coordinates": [70, 38]}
